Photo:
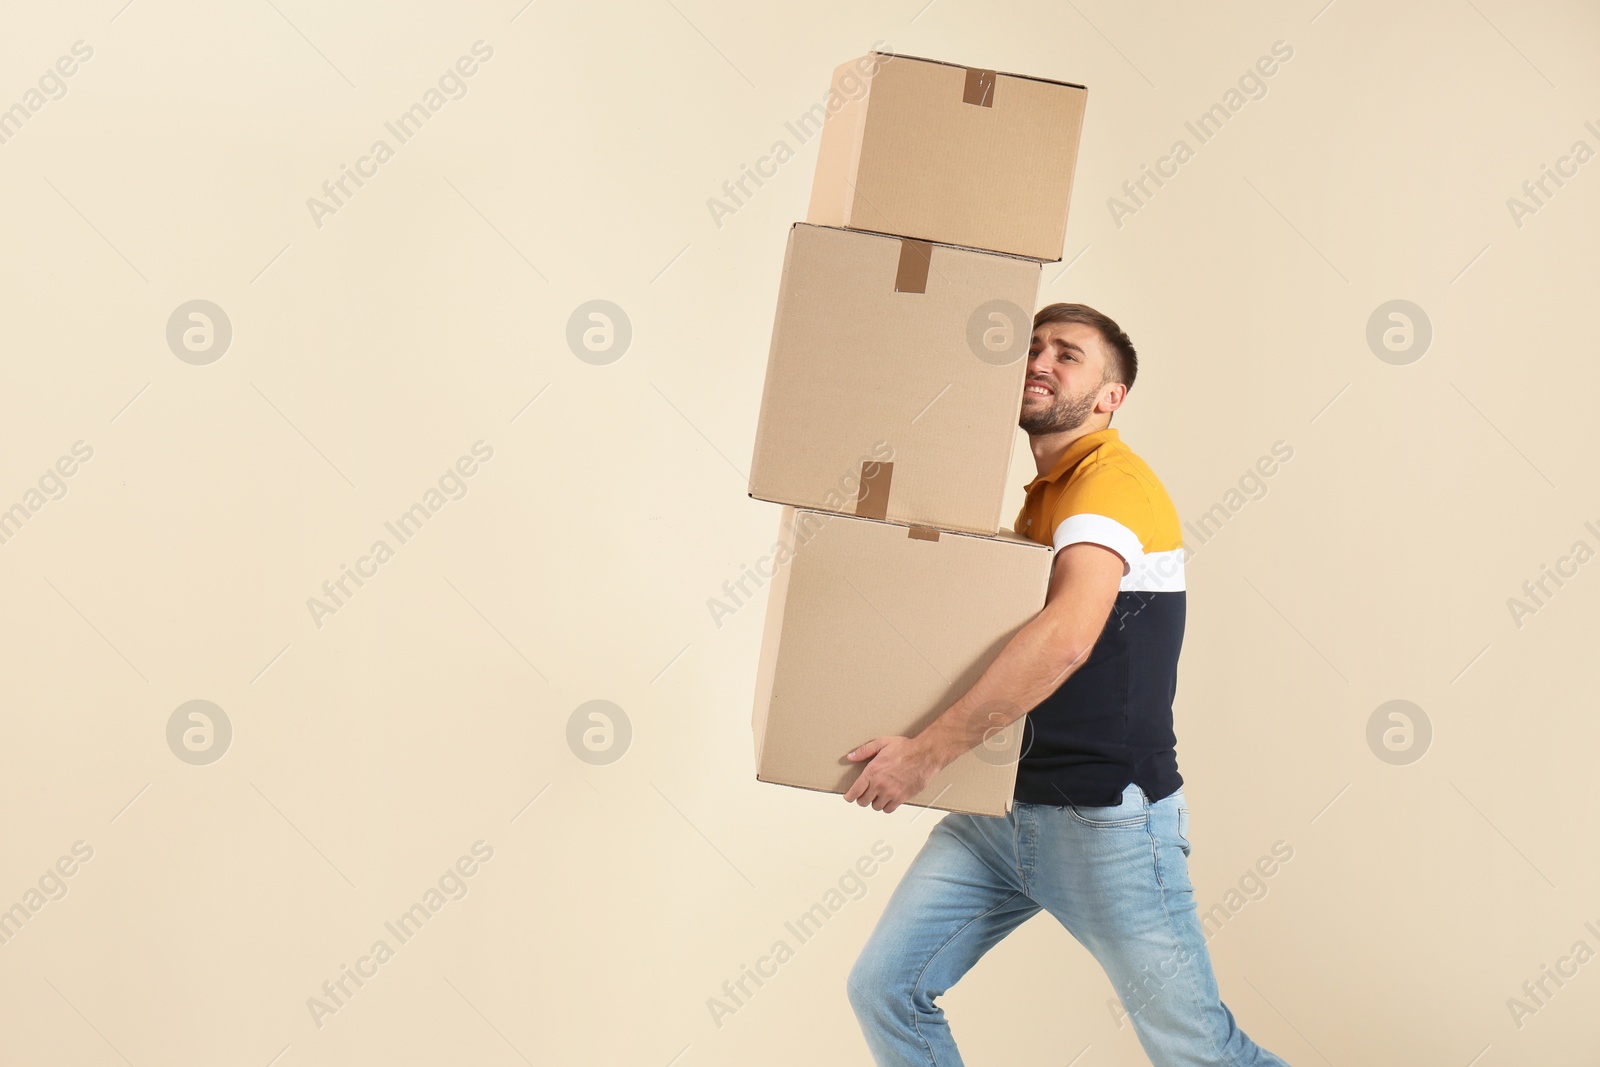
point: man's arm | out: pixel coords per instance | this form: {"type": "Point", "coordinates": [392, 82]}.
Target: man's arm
{"type": "Point", "coordinates": [1032, 665]}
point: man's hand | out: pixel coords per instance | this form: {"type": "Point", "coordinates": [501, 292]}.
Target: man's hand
{"type": "Point", "coordinates": [900, 768]}
{"type": "Point", "coordinates": [1032, 665]}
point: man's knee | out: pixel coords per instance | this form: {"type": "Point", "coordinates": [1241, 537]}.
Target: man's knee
{"type": "Point", "coordinates": [862, 983]}
{"type": "Point", "coordinates": [876, 979]}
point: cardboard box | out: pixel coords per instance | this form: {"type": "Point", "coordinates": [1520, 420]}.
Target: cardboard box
{"type": "Point", "coordinates": [873, 629]}
{"type": "Point", "coordinates": [894, 380]}
{"type": "Point", "coordinates": [942, 152]}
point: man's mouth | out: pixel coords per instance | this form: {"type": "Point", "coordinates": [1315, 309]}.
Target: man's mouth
{"type": "Point", "coordinates": [1037, 389]}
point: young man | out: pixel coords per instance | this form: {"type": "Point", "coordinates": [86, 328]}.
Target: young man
{"type": "Point", "coordinates": [1098, 834]}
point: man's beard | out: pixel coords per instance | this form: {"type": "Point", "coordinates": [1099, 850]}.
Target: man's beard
{"type": "Point", "coordinates": [1066, 413]}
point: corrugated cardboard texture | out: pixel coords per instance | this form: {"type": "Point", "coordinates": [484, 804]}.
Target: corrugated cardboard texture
{"type": "Point", "coordinates": [767, 663]}
{"type": "Point", "coordinates": [839, 148]}
{"type": "Point", "coordinates": [854, 363]}
{"type": "Point", "coordinates": [911, 156]}
{"type": "Point", "coordinates": [872, 633]}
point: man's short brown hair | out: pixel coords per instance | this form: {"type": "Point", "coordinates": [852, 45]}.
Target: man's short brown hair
{"type": "Point", "coordinates": [1124, 365]}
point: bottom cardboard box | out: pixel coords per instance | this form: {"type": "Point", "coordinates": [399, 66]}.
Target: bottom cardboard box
{"type": "Point", "coordinates": [873, 629]}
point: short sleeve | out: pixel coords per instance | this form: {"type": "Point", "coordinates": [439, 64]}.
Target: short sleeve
{"type": "Point", "coordinates": [1104, 507]}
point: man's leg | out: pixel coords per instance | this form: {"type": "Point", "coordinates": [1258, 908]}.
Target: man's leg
{"type": "Point", "coordinates": [1118, 879]}
{"type": "Point", "coordinates": [959, 897]}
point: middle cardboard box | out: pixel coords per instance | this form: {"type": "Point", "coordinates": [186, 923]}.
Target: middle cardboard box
{"type": "Point", "coordinates": [894, 380]}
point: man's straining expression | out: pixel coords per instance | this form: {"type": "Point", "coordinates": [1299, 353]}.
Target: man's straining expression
{"type": "Point", "coordinates": [1067, 367]}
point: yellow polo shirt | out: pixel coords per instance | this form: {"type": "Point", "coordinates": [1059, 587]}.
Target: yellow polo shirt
{"type": "Point", "coordinates": [1101, 491]}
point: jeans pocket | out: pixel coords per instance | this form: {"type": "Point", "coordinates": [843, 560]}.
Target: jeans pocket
{"type": "Point", "coordinates": [1124, 816]}
{"type": "Point", "coordinates": [1183, 829]}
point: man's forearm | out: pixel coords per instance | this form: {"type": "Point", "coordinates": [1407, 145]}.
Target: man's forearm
{"type": "Point", "coordinates": [1032, 665]}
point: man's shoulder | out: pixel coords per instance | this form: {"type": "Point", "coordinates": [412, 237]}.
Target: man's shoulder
{"type": "Point", "coordinates": [1113, 460]}
{"type": "Point", "coordinates": [1114, 481]}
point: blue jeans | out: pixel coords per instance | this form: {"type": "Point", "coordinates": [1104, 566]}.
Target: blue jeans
{"type": "Point", "coordinates": [1116, 877]}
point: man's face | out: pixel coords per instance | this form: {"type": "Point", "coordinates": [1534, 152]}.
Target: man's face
{"type": "Point", "coordinates": [1067, 364]}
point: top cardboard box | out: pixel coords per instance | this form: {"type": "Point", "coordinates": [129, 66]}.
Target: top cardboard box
{"type": "Point", "coordinates": [941, 152]}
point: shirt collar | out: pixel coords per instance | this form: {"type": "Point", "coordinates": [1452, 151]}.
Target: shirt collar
{"type": "Point", "coordinates": [1074, 454]}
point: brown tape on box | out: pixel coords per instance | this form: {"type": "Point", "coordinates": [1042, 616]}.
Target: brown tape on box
{"type": "Point", "coordinates": [912, 274]}
{"type": "Point", "coordinates": [923, 533]}
{"type": "Point", "coordinates": [872, 499]}
{"type": "Point", "coordinates": [980, 87]}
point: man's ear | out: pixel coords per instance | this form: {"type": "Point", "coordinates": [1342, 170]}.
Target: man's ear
{"type": "Point", "coordinates": [1111, 397]}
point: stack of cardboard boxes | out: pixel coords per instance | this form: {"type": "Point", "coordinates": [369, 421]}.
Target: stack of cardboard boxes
{"type": "Point", "coordinates": [889, 415]}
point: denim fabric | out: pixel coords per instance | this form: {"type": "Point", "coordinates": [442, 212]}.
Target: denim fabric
{"type": "Point", "coordinates": [1116, 877]}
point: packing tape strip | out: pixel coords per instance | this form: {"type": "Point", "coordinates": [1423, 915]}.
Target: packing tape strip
{"type": "Point", "coordinates": [980, 87]}
{"type": "Point", "coordinates": [923, 533]}
{"type": "Point", "coordinates": [912, 274]}
{"type": "Point", "coordinates": [872, 498]}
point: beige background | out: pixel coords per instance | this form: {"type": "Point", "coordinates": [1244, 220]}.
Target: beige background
{"type": "Point", "coordinates": [431, 711]}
